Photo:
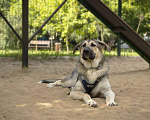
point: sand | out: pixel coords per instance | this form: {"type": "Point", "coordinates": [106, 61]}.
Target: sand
{"type": "Point", "coordinates": [22, 98]}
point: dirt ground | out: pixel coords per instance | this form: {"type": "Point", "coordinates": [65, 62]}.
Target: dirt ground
{"type": "Point", "coordinates": [22, 98]}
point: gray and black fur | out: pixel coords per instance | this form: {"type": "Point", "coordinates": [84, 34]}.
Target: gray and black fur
{"type": "Point", "coordinates": [91, 71]}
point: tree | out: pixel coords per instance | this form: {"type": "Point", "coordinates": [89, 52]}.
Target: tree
{"type": "Point", "coordinates": [73, 22]}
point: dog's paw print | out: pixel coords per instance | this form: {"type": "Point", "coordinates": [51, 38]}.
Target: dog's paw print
{"type": "Point", "coordinates": [92, 103]}
{"type": "Point", "coordinates": [112, 104]}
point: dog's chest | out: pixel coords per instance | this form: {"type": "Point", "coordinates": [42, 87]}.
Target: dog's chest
{"type": "Point", "coordinates": [92, 74]}
{"type": "Point", "coordinates": [88, 87]}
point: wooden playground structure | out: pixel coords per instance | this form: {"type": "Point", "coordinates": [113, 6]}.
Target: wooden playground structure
{"type": "Point", "coordinates": [102, 12]}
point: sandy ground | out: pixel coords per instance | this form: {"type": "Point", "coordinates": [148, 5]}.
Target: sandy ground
{"type": "Point", "coordinates": [22, 98]}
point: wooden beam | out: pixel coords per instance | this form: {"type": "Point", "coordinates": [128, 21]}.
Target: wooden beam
{"type": "Point", "coordinates": [11, 27]}
{"type": "Point", "coordinates": [47, 20]}
{"type": "Point", "coordinates": [25, 33]}
{"type": "Point", "coordinates": [113, 21]}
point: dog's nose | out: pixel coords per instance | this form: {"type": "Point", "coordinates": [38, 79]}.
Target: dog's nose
{"type": "Point", "coordinates": [86, 50]}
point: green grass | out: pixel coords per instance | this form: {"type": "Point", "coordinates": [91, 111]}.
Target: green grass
{"type": "Point", "coordinates": [34, 53]}
{"type": "Point", "coordinates": [47, 53]}
{"type": "Point", "coordinates": [124, 52]}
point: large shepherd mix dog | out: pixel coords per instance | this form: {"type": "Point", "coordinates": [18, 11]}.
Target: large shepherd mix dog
{"type": "Point", "coordinates": [90, 77]}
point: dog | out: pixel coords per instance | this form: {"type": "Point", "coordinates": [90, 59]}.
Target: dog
{"type": "Point", "coordinates": [90, 77]}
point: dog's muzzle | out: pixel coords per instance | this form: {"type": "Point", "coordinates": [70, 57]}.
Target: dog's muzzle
{"type": "Point", "coordinates": [88, 54]}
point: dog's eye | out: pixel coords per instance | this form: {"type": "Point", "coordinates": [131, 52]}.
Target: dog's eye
{"type": "Point", "coordinates": [93, 45]}
{"type": "Point", "coordinates": [84, 45]}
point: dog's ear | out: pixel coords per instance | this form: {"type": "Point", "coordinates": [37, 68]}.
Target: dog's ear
{"type": "Point", "coordinates": [77, 47]}
{"type": "Point", "coordinates": [104, 45]}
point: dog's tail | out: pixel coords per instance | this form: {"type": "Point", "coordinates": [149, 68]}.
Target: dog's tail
{"type": "Point", "coordinates": [48, 81]}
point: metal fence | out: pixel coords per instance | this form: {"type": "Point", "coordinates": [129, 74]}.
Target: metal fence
{"type": "Point", "coordinates": [71, 24]}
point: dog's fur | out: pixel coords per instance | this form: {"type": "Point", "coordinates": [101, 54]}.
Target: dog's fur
{"type": "Point", "coordinates": [92, 66]}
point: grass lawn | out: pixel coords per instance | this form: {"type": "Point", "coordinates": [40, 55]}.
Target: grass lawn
{"type": "Point", "coordinates": [47, 53]}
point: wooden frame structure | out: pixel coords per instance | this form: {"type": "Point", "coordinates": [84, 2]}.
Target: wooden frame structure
{"type": "Point", "coordinates": [118, 26]}
{"type": "Point", "coordinates": [102, 12]}
{"type": "Point", "coordinates": [25, 38]}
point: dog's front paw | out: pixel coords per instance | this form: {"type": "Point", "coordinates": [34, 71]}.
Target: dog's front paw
{"type": "Point", "coordinates": [92, 103]}
{"type": "Point", "coordinates": [112, 104]}
{"type": "Point", "coordinates": [50, 85]}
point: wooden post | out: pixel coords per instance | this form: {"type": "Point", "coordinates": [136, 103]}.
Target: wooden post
{"type": "Point", "coordinates": [25, 33]}
{"type": "Point", "coordinates": [118, 38]}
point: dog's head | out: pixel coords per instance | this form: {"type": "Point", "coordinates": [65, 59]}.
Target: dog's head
{"type": "Point", "coordinates": [91, 50]}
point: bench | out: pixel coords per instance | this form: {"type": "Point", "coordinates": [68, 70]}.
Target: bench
{"type": "Point", "coordinates": [39, 44]}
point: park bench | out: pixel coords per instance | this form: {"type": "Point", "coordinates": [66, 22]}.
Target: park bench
{"type": "Point", "coordinates": [39, 44]}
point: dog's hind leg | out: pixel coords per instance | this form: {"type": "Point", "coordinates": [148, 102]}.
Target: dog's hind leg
{"type": "Point", "coordinates": [64, 83]}
{"type": "Point", "coordinates": [57, 83]}
{"type": "Point", "coordinates": [77, 95]}
{"type": "Point", "coordinates": [68, 81]}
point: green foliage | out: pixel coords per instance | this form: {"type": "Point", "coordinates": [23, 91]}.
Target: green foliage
{"type": "Point", "coordinates": [72, 22]}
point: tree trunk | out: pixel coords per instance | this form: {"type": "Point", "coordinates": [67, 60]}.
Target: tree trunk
{"type": "Point", "coordinates": [51, 44]}
{"type": "Point", "coordinates": [137, 30]}
{"type": "Point", "coordinates": [67, 45]}
{"type": "Point", "coordinates": [140, 20]}
{"type": "Point", "coordinates": [102, 33]}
